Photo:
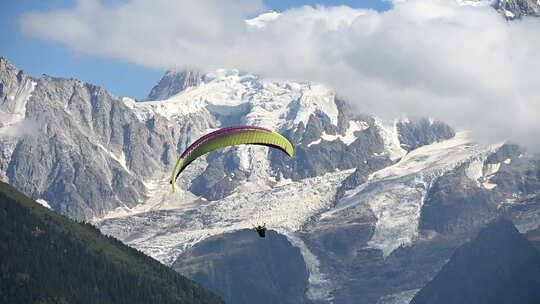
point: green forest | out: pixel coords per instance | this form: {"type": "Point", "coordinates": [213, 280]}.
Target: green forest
{"type": "Point", "coordinates": [48, 258]}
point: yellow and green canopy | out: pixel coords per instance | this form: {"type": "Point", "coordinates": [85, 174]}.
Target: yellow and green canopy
{"type": "Point", "coordinates": [231, 136]}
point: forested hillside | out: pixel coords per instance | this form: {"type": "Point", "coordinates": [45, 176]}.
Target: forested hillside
{"type": "Point", "coordinates": [48, 258]}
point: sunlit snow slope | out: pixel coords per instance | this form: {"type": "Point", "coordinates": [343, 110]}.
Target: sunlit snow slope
{"type": "Point", "coordinates": [395, 194]}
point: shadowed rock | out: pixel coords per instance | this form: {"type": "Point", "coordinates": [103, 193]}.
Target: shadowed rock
{"type": "Point", "coordinates": [499, 266]}
{"type": "Point", "coordinates": [245, 268]}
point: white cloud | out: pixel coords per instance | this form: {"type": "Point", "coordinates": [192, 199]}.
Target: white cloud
{"type": "Point", "coordinates": [462, 64]}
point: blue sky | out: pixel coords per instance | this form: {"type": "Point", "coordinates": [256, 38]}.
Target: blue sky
{"type": "Point", "coordinates": [121, 78]}
{"type": "Point", "coordinates": [284, 4]}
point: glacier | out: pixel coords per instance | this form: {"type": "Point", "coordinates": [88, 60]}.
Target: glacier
{"type": "Point", "coordinates": [395, 194]}
{"type": "Point", "coordinates": [13, 113]}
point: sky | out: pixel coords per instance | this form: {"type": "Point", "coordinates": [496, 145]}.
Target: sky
{"type": "Point", "coordinates": [465, 65]}
{"type": "Point", "coordinates": [39, 56]}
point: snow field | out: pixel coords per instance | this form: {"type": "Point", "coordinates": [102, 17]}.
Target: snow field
{"type": "Point", "coordinates": [166, 233]}
{"type": "Point", "coordinates": [13, 114]}
{"type": "Point", "coordinates": [396, 193]}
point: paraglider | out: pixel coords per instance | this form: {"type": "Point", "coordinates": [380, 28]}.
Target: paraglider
{"type": "Point", "coordinates": [230, 136]}
{"type": "Point", "coordinates": [261, 230]}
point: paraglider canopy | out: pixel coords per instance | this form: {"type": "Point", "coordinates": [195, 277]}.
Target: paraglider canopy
{"type": "Point", "coordinates": [230, 136]}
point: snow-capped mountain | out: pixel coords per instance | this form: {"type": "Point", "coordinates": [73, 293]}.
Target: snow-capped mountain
{"type": "Point", "coordinates": [322, 127]}
{"type": "Point", "coordinates": [173, 83]}
{"type": "Point", "coordinates": [359, 199]}
{"type": "Point", "coordinates": [76, 147]}
{"type": "Point", "coordinates": [73, 133]}
{"type": "Point", "coordinates": [510, 9]}
{"type": "Point", "coordinates": [358, 192]}
{"type": "Point", "coordinates": [367, 211]}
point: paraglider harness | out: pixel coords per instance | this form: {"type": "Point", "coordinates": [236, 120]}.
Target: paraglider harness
{"type": "Point", "coordinates": [261, 230]}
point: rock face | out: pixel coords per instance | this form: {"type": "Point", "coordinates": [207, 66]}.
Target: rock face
{"type": "Point", "coordinates": [455, 204]}
{"type": "Point", "coordinates": [76, 146]}
{"type": "Point", "coordinates": [516, 9]}
{"type": "Point", "coordinates": [173, 83]}
{"type": "Point", "coordinates": [276, 270]}
{"type": "Point", "coordinates": [498, 266]}
{"type": "Point", "coordinates": [414, 134]}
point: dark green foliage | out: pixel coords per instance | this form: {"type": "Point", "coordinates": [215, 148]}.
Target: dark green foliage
{"type": "Point", "coordinates": [48, 258]}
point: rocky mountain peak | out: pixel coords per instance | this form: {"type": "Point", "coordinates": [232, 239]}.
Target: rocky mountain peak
{"type": "Point", "coordinates": [5, 64]}
{"type": "Point", "coordinates": [8, 71]}
{"type": "Point", "coordinates": [516, 9]}
{"type": "Point", "coordinates": [174, 82]}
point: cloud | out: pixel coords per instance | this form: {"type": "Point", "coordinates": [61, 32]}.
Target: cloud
{"type": "Point", "coordinates": [462, 64]}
